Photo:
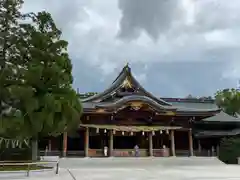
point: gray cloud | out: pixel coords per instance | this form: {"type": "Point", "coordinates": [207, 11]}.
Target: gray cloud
{"type": "Point", "coordinates": [154, 17]}
{"type": "Point", "coordinates": [175, 49]}
{"type": "Point", "coordinates": [217, 14]}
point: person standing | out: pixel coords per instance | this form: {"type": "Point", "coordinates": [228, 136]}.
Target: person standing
{"type": "Point", "coordinates": [136, 149]}
{"type": "Point", "coordinates": [105, 151]}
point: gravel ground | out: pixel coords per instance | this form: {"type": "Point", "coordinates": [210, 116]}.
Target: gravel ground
{"type": "Point", "coordinates": [173, 168]}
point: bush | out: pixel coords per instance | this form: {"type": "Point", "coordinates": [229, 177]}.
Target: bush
{"type": "Point", "coordinates": [229, 150]}
{"type": "Point", "coordinates": [15, 154]}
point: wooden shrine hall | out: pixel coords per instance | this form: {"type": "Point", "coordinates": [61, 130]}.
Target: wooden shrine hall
{"type": "Point", "coordinates": [125, 115]}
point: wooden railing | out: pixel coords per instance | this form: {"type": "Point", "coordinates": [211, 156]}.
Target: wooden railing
{"type": "Point", "coordinates": [60, 153]}
{"type": "Point", "coordinates": [99, 153]}
{"type": "Point", "coordinates": [29, 164]}
{"type": "Point", "coordinates": [50, 153]}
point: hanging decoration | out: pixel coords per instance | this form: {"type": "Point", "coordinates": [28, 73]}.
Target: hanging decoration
{"type": "Point", "coordinates": [160, 131]}
{"type": "Point", "coordinates": [13, 143]}
{"type": "Point", "coordinates": [123, 133]}
{"type": "Point", "coordinates": [105, 131]}
{"type": "Point", "coordinates": [143, 133]}
{"type": "Point", "coordinates": [153, 133]}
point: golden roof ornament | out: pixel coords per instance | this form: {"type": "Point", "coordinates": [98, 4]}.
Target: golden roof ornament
{"type": "Point", "coordinates": [126, 83]}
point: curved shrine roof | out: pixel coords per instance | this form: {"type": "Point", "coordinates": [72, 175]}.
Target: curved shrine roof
{"type": "Point", "coordinates": [125, 88]}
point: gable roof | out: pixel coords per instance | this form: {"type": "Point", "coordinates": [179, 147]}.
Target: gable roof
{"type": "Point", "coordinates": [221, 117]}
{"type": "Point", "coordinates": [124, 77]}
{"type": "Point", "coordinates": [126, 89]}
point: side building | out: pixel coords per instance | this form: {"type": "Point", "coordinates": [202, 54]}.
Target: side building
{"type": "Point", "coordinates": [126, 115]}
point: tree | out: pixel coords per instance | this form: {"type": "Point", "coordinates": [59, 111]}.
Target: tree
{"type": "Point", "coordinates": [229, 150]}
{"type": "Point", "coordinates": [10, 119]}
{"type": "Point", "coordinates": [43, 97]}
{"type": "Point", "coordinates": [51, 105]}
{"type": "Point", "coordinates": [229, 101]}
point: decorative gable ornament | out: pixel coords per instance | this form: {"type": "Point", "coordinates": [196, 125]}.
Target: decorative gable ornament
{"type": "Point", "coordinates": [126, 83]}
{"type": "Point", "coordinates": [136, 105]}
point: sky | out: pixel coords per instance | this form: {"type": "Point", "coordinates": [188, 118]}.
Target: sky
{"type": "Point", "coordinates": [174, 47]}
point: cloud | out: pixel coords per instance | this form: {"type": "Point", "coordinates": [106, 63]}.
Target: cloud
{"type": "Point", "coordinates": [175, 47]}
{"type": "Point", "coordinates": [154, 17]}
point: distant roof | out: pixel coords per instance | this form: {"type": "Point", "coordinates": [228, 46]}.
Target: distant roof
{"type": "Point", "coordinates": [195, 105]}
{"type": "Point", "coordinates": [218, 133]}
{"type": "Point", "coordinates": [222, 117]}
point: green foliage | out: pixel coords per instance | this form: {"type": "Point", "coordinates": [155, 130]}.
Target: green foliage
{"type": "Point", "coordinates": [10, 119]}
{"type": "Point", "coordinates": [229, 101]}
{"type": "Point", "coordinates": [37, 98]}
{"type": "Point", "coordinates": [229, 150]}
{"type": "Point", "coordinates": [51, 105]}
{"type": "Point", "coordinates": [23, 167]}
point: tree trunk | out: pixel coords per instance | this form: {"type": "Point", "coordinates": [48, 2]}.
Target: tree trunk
{"type": "Point", "coordinates": [34, 149]}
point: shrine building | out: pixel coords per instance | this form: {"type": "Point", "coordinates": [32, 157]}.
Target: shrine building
{"type": "Point", "coordinates": [126, 114]}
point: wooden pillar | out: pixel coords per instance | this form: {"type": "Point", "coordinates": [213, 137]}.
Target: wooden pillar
{"type": "Point", "coordinates": [111, 143]}
{"type": "Point", "coordinates": [172, 143]}
{"type": "Point", "coordinates": [199, 147]}
{"type": "Point", "coordinates": [190, 142]}
{"type": "Point", "coordinates": [213, 151]}
{"type": "Point", "coordinates": [65, 144]}
{"type": "Point", "coordinates": [150, 144]}
{"type": "Point", "coordinates": [86, 142]}
{"type": "Point", "coordinates": [50, 144]}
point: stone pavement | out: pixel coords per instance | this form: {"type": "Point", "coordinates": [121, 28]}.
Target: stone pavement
{"type": "Point", "coordinates": [172, 168]}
